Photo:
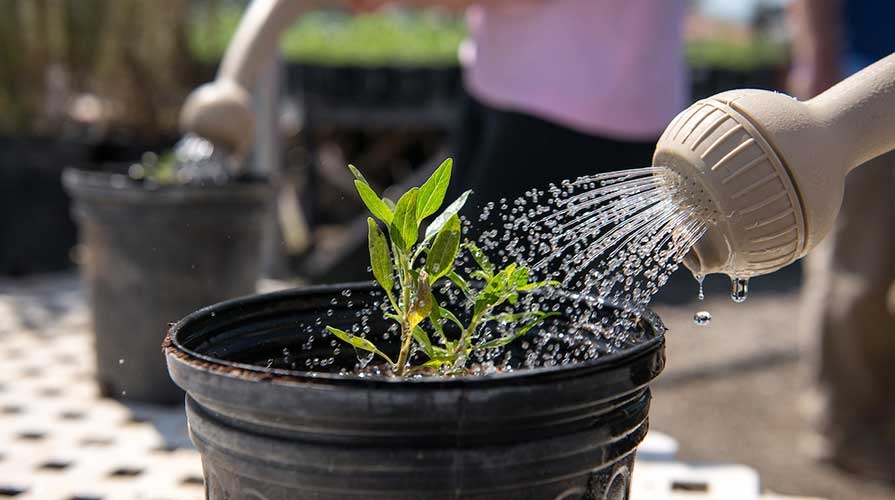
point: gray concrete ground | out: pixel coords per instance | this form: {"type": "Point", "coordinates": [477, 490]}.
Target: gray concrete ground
{"type": "Point", "coordinates": [732, 391]}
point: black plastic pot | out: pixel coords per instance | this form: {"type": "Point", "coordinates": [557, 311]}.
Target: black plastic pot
{"type": "Point", "coordinates": [35, 228]}
{"type": "Point", "coordinates": [152, 256]}
{"type": "Point", "coordinates": [553, 433]}
{"type": "Point", "coordinates": [373, 87]}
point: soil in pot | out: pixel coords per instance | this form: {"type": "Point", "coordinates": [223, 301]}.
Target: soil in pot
{"type": "Point", "coordinates": [274, 413]}
{"type": "Point", "coordinates": [153, 255]}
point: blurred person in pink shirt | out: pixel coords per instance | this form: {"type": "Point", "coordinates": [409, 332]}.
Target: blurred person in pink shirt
{"type": "Point", "coordinates": [562, 88]}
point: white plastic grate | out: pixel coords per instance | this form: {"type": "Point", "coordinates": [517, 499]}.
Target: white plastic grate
{"type": "Point", "coordinates": [58, 439]}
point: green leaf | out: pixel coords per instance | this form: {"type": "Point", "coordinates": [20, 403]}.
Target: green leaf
{"type": "Point", "coordinates": [422, 302]}
{"type": "Point", "coordinates": [422, 338]}
{"type": "Point", "coordinates": [480, 258]}
{"type": "Point", "coordinates": [460, 283]}
{"type": "Point", "coordinates": [502, 341]}
{"type": "Point", "coordinates": [389, 202]}
{"type": "Point", "coordinates": [433, 190]}
{"type": "Point", "coordinates": [440, 259]}
{"type": "Point", "coordinates": [484, 301]}
{"type": "Point", "coordinates": [437, 363]}
{"type": "Point", "coordinates": [380, 257]}
{"type": "Point", "coordinates": [374, 204]}
{"type": "Point", "coordinates": [357, 175]}
{"type": "Point", "coordinates": [435, 320]}
{"type": "Point", "coordinates": [519, 276]}
{"type": "Point", "coordinates": [449, 315]}
{"type": "Point", "coordinates": [358, 342]}
{"type": "Point", "coordinates": [404, 223]}
{"type": "Point", "coordinates": [538, 284]}
{"type": "Point", "coordinates": [443, 217]}
{"type": "Point", "coordinates": [480, 275]}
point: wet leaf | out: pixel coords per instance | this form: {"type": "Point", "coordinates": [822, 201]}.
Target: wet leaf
{"type": "Point", "coordinates": [432, 191]}
{"type": "Point", "coordinates": [440, 259]}
{"type": "Point", "coordinates": [358, 342]}
{"type": "Point", "coordinates": [404, 223]}
{"type": "Point", "coordinates": [357, 175]}
{"type": "Point", "coordinates": [422, 338]}
{"type": "Point", "coordinates": [538, 284]}
{"type": "Point", "coordinates": [480, 258]}
{"type": "Point", "coordinates": [374, 204]}
{"type": "Point", "coordinates": [380, 257]}
{"type": "Point", "coordinates": [441, 220]}
{"type": "Point", "coordinates": [458, 280]}
{"type": "Point", "coordinates": [438, 363]}
{"type": "Point", "coordinates": [435, 319]}
{"type": "Point", "coordinates": [422, 303]}
{"type": "Point", "coordinates": [502, 341]}
{"type": "Point", "coordinates": [449, 315]}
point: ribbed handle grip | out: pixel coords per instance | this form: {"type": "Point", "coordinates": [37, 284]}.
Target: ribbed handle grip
{"type": "Point", "coordinates": [861, 111]}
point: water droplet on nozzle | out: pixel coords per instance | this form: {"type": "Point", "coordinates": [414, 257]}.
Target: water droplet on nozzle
{"type": "Point", "coordinates": [739, 289]}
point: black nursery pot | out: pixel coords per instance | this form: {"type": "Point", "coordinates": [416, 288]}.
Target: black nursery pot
{"type": "Point", "coordinates": [553, 433]}
{"type": "Point", "coordinates": [152, 256]}
{"type": "Point", "coordinates": [36, 232]}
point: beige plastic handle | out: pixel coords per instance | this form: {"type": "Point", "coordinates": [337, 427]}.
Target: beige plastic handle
{"type": "Point", "coordinates": [255, 41]}
{"type": "Point", "coordinates": [221, 111]}
{"type": "Point", "coordinates": [860, 111]}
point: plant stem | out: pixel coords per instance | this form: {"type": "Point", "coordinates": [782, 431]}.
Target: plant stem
{"type": "Point", "coordinates": [406, 332]}
{"type": "Point", "coordinates": [463, 343]}
{"type": "Point", "coordinates": [406, 337]}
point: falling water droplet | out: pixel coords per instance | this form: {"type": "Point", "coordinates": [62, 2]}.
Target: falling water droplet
{"type": "Point", "coordinates": [739, 289]}
{"type": "Point", "coordinates": [121, 361]}
{"type": "Point", "coordinates": [702, 318]}
{"type": "Point", "coordinates": [699, 279]}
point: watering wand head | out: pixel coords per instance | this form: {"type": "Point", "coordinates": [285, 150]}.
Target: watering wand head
{"type": "Point", "coordinates": [767, 172]}
{"type": "Point", "coordinates": [220, 112]}
{"type": "Point", "coordinates": [732, 177]}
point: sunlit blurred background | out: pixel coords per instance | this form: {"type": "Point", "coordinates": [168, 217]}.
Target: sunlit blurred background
{"type": "Point", "coordinates": [96, 84]}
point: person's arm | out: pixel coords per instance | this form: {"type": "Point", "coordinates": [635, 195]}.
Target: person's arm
{"type": "Point", "coordinates": [816, 47]}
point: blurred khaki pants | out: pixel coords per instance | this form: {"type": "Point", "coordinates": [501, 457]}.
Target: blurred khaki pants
{"type": "Point", "coordinates": [849, 306]}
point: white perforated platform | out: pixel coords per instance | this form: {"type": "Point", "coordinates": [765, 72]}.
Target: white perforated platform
{"type": "Point", "coordinates": [60, 441]}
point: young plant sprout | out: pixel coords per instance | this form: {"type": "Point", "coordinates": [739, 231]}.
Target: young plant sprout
{"type": "Point", "coordinates": [408, 267]}
{"type": "Point", "coordinates": [154, 168]}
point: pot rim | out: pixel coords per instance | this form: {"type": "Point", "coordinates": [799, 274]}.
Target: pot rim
{"type": "Point", "coordinates": [109, 187]}
{"type": "Point", "coordinates": [175, 349]}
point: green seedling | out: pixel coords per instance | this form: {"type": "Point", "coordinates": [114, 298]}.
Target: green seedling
{"type": "Point", "coordinates": [408, 262]}
{"type": "Point", "coordinates": [157, 169]}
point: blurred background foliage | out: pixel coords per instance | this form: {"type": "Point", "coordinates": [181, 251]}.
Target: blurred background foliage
{"type": "Point", "coordinates": [119, 63]}
{"type": "Point", "coordinates": [124, 66]}
{"type": "Point", "coordinates": [336, 37]}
